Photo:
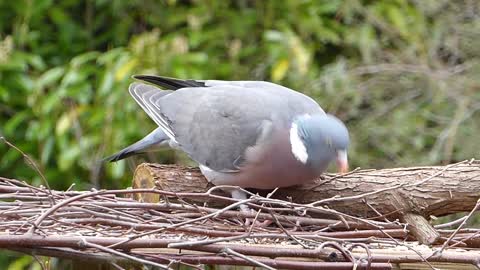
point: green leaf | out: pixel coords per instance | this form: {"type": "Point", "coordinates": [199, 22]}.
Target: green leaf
{"type": "Point", "coordinates": [110, 56]}
{"type": "Point", "coordinates": [16, 62]}
{"type": "Point", "coordinates": [36, 61]}
{"type": "Point", "coordinates": [125, 69]}
{"type": "Point", "coordinates": [4, 96]}
{"type": "Point", "coordinates": [51, 102]}
{"type": "Point", "coordinates": [328, 7]}
{"type": "Point", "coordinates": [13, 123]}
{"type": "Point", "coordinates": [63, 124]}
{"type": "Point", "coordinates": [49, 77]}
{"type": "Point", "coordinates": [398, 19]}
{"type": "Point", "coordinates": [81, 59]}
{"type": "Point", "coordinates": [72, 76]}
{"type": "Point", "coordinates": [20, 263]}
{"type": "Point", "coordinates": [272, 35]}
{"type": "Point", "coordinates": [106, 83]}
{"type": "Point", "coordinates": [117, 169]}
{"type": "Point", "coordinates": [279, 70]}
{"type": "Point", "coordinates": [67, 157]}
{"type": "Point", "coordinates": [47, 150]}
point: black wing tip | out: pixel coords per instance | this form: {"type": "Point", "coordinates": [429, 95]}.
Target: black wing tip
{"type": "Point", "coordinates": [163, 82]}
{"type": "Point", "coordinates": [168, 82]}
{"type": "Point", "coordinates": [110, 159]}
{"type": "Point", "coordinates": [117, 156]}
{"type": "Point", "coordinates": [152, 78]}
{"type": "Point", "coordinates": [142, 77]}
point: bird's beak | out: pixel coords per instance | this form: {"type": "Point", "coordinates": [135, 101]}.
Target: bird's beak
{"type": "Point", "coordinates": [342, 161]}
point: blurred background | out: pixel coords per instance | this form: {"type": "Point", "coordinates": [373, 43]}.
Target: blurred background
{"type": "Point", "coordinates": [403, 74]}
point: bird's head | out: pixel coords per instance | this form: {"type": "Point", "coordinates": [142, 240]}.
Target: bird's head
{"type": "Point", "coordinates": [316, 140]}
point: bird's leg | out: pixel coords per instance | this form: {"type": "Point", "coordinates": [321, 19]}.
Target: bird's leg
{"type": "Point", "coordinates": [239, 194]}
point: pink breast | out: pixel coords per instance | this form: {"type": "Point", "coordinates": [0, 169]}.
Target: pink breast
{"type": "Point", "coordinates": [273, 165]}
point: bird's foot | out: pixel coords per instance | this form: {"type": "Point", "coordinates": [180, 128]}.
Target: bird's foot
{"type": "Point", "coordinates": [256, 223]}
{"type": "Point", "coordinates": [244, 209]}
{"type": "Point", "coordinates": [253, 221]}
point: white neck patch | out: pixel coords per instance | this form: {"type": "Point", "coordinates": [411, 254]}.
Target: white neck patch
{"type": "Point", "coordinates": [299, 150]}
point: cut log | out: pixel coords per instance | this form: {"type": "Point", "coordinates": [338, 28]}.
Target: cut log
{"type": "Point", "coordinates": [427, 191]}
{"type": "Point", "coordinates": [411, 195]}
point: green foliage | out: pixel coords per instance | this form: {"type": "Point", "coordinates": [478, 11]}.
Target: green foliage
{"type": "Point", "coordinates": [403, 74]}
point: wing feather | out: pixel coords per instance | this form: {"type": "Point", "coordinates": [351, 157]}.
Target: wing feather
{"type": "Point", "coordinates": [216, 122]}
{"type": "Point", "coordinates": [165, 122]}
{"type": "Point", "coordinates": [216, 125]}
{"type": "Point", "coordinates": [169, 83]}
{"type": "Point", "coordinates": [145, 96]}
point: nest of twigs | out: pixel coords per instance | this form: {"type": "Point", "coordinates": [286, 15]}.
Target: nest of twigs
{"type": "Point", "coordinates": [109, 226]}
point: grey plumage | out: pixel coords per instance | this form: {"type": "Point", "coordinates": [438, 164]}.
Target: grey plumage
{"type": "Point", "coordinates": [199, 118]}
{"type": "Point", "coordinates": [238, 131]}
{"type": "Point", "coordinates": [155, 140]}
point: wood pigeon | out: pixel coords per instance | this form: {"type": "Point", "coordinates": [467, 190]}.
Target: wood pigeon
{"type": "Point", "coordinates": [252, 134]}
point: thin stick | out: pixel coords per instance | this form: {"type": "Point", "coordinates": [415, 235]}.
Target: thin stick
{"type": "Point", "coordinates": [458, 229]}
{"type": "Point", "coordinates": [246, 258]}
{"type": "Point", "coordinates": [118, 267]}
{"type": "Point", "coordinates": [121, 254]}
{"type": "Point", "coordinates": [214, 214]}
{"type": "Point", "coordinates": [33, 163]}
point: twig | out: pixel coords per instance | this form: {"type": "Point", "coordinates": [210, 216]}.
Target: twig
{"type": "Point", "coordinates": [207, 241]}
{"type": "Point", "coordinates": [214, 214]}
{"type": "Point", "coordinates": [118, 267]}
{"type": "Point", "coordinates": [458, 229]}
{"type": "Point", "coordinates": [148, 231]}
{"type": "Point", "coordinates": [246, 258]}
{"type": "Point", "coordinates": [451, 223]}
{"type": "Point", "coordinates": [121, 254]}
{"type": "Point", "coordinates": [32, 163]}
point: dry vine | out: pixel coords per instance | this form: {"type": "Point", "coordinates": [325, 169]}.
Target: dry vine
{"type": "Point", "coordinates": [108, 226]}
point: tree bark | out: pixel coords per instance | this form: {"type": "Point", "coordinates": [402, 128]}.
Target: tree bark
{"type": "Point", "coordinates": [412, 195]}
{"type": "Point", "coordinates": [427, 191]}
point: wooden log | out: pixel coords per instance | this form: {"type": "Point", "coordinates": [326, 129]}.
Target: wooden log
{"type": "Point", "coordinates": [421, 228]}
{"type": "Point", "coordinates": [427, 191]}
{"type": "Point", "coordinates": [412, 195]}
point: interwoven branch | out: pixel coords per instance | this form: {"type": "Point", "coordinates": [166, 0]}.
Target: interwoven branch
{"type": "Point", "coordinates": [110, 226]}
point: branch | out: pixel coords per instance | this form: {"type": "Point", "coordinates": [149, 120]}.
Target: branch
{"type": "Point", "coordinates": [197, 225]}
{"type": "Point", "coordinates": [437, 190]}
{"type": "Point", "coordinates": [409, 194]}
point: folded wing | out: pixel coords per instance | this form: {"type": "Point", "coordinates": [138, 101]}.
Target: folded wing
{"type": "Point", "coordinates": [215, 122]}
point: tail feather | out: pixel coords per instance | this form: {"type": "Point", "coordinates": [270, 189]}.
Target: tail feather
{"type": "Point", "coordinates": [152, 142]}
{"type": "Point", "coordinates": [123, 154]}
{"type": "Point", "coordinates": [169, 83]}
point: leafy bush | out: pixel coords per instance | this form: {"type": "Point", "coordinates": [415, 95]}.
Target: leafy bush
{"type": "Point", "coordinates": [402, 74]}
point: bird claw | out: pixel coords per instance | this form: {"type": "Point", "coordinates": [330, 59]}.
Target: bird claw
{"type": "Point", "coordinates": [253, 221]}
{"type": "Point", "coordinates": [256, 223]}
